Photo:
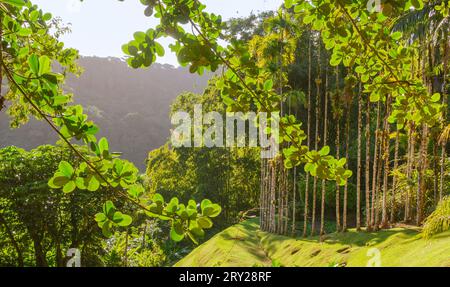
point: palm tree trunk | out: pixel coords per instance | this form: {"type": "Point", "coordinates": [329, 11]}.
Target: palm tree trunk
{"type": "Point", "coordinates": [367, 167]}
{"type": "Point", "coordinates": [435, 172]}
{"type": "Point", "coordinates": [394, 179]}
{"type": "Point", "coordinates": [378, 184]}
{"type": "Point", "coordinates": [338, 188]}
{"type": "Point", "coordinates": [347, 151]}
{"type": "Point", "coordinates": [294, 203]}
{"type": "Point", "coordinates": [318, 82]}
{"type": "Point", "coordinates": [411, 163]}
{"type": "Point", "coordinates": [444, 115]}
{"type": "Point", "coordinates": [421, 177]}
{"type": "Point", "coordinates": [261, 196]}
{"type": "Point", "coordinates": [273, 197]}
{"type": "Point", "coordinates": [358, 176]}
{"type": "Point", "coordinates": [325, 136]}
{"type": "Point", "coordinates": [308, 104]}
{"type": "Point", "coordinates": [338, 153]}
{"type": "Point", "coordinates": [386, 142]}
{"type": "Point", "coordinates": [375, 167]}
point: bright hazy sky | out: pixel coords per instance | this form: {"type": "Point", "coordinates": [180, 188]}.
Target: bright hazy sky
{"type": "Point", "coordinates": [100, 27]}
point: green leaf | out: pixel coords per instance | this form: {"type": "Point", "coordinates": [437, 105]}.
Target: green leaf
{"type": "Point", "coordinates": [325, 151]}
{"type": "Point", "coordinates": [47, 17]}
{"type": "Point", "coordinates": [106, 229]}
{"type": "Point", "coordinates": [93, 184]}
{"type": "Point", "coordinates": [268, 85]}
{"type": "Point", "coordinates": [66, 169]}
{"type": "Point", "coordinates": [212, 210]}
{"type": "Point", "coordinates": [126, 220]}
{"type": "Point", "coordinates": [397, 35]}
{"type": "Point", "coordinates": [159, 50]}
{"type": "Point", "coordinates": [148, 11]}
{"type": "Point", "coordinates": [109, 209]}
{"type": "Point", "coordinates": [18, 3]}
{"type": "Point", "coordinates": [172, 207]}
{"type": "Point", "coordinates": [175, 235]}
{"type": "Point", "coordinates": [44, 65]}
{"type": "Point", "coordinates": [58, 182]}
{"type": "Point", "coordinates": [288, 4]}
{"type": "Point", "coordinates": [136, 190]}
{"type": "Point", "coordinates": [204, 222]}
{"type": "Point", "coordinates": [158, 198]}
{"type": "Point", "coordinates": [197, 231]}
{"type": "Point", "coordinates": [418, 4]}
{"type": "Point", "coordinates": [60, 100]}
{"type": "Point", "coordinates": [100, 217]}
{"type": "Point", "coordinates": [435, 98]}
{"type": "Point", "coordinates": [24, 32]}
{"type": "Point", "coordinates": [33, 62]}
{"type": "Point", "coordinates": [205, 203]}
{"type": "Point", "coordinates": [103, 146]}
{"type": "Point", "coordinates": [69, 187]}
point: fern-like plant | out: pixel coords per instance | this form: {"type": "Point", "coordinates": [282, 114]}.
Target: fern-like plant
{"type": "Point", "coordinates": [439, 220]}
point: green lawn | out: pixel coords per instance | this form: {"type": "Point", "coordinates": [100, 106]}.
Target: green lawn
{"type": "Point", "coordinates": [245, 245]}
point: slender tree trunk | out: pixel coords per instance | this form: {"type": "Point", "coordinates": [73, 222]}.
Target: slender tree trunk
{"type": "Point", "coordinates": [308, 104]}
{"type": "Point", "coordinates": [358, 176]}
{"type": "Point", "coordinates": [325, 142]}
{"type": "Point", "coordinates": [435, 172]}
{"type": "Point", "coordinates": [347, 151]}
{"type": "Point", "coordinates": [125, 251]}
{"type": "Point", "coordinates": [378, 184]}
{"type": "Point", "coordinates": [338, 188]}
{"type": "Point", "coordinates": [394, 179]}
{"type": "Point", "coordinates": [261, 196]}
{"type": "Point", "coordinates": [421, 175]}
{"type": "Point", "coordinates": [266, 194]}
{"type": "Point", "coordinates": [386, 141]}
{"type": "Point", "coordinates": [286, 202]}
{"type": "Point", "coordinates": [294, 203]}
{"type": "Point", "coordinates": [273, 197]}
{"type": "Point", "coordinates": [41, 260]}
{"type": "Point", "coordinates": [318, 83]}
{"type": "Point", "coordinates": [280, 198]}
{"type": "Point", "coordinates": [444, 115]}
{"type": "Point", "coordinates": [411, 163]}
{"type": "Point", "coordinates": [375, 167]}
{"type": "Point", "coordinates": [338, 148]}
{"type": "Point", "coordinates": [367, 167]}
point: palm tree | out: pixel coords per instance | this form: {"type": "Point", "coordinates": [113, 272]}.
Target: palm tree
{"type": "Point", "coordinates": [394, 179]}
{"type": "Point", "coordinates": [325, 135]}
{"type": "Point", "coordinates": [308, 105]}
{"type": "Point", "coordinates": [386, 141]}
{"type": "Point", "coordinates": [375, 168]}
{"type": "Point", "coordinates": [347, 151]}
{"type": "Point", "coordinates": [317, 139]}
{"type": "Point", "coordinates": [358, 176]}
{"type": "Point", "coordinates": [337, 118]}
{"type": "Point", "coordinates": [368, 208]}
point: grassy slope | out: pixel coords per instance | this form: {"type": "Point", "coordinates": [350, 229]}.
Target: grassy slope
{"type": "Point", "coordinates": [245, 245]}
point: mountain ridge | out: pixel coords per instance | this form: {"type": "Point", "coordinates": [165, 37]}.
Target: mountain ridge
{"type": "Point", "coordinates": [131, 107]}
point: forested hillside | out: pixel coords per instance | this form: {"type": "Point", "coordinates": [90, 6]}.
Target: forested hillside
{"type": "Point", "coordinates": [127, 104]}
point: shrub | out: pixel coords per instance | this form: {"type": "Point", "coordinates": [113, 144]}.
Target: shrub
{"type": "Point", "coordinates": [439, 220]}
